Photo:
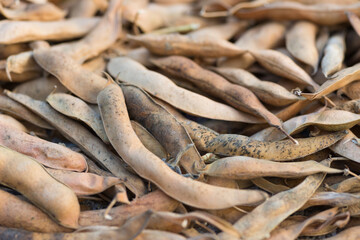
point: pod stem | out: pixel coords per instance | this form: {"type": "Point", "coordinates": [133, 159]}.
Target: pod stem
{"type": "Point", "coordinates": [106, 214]}
{"type": "Point", "coordinates": [288, 136]}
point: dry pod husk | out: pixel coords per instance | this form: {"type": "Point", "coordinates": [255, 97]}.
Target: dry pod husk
{"type": "Point", "coordinates": [76, 108]}
{"type": "Point", "coordinates": [325, 14]}
{"type": "Point", "coordinates": [39, 187]}
{"type": "Point", "coordinates": [25, 31]}
{"type": "Point", "coordinates": [262, 220]}
{"type": "Point", "coordinates": [64, 68]}
{"type": "Point", "coordinates": [328, 120]}
{"type": "Point", "coordinates": [47, 153]}
{"type": "Point", "coordinates": [102, 36]}
{"type": "Point", "coordinates": [40, 88]}
{"type": "Point", "coordinates": [221, 31]}
{"type": "Point", "coordinates": [327, 217]}
{"type": "Point", "coordinates": [17, 110]}
{"type": "Point", "coordinates": [338, 80]}
{"type": "Point", "coordinates": [79, 135]}
{"type": "Point", "coordinates": [155, 201]}
{"type": "Point", "coordinates": [235, 95]}
{"type": "Point", "coordinates": [117, 123]}
{"type": "Point", "coordinates": [84, 183]}
{"type": "Point", "coordinates": [282, 65]}
{"type": "Point", "coordinates": [241, 167]}
{"type": "Point", "coordinates": [334, 54]}
{"type": "Point", "coordinates": [33, 11]}
{"type": "Point", "coordinates": [149, 141]}
{"type": "Point", "coordinates": [163, 127]}
{"type": "Point", "coordinates": [163, 88]}
{"type": "Point", "coordinates": [347, 147]}
{"type": "Point", "coordinates": [300, 41]}
{"type": "Point", "coordinates": [263, 36]}
{"type": "Point", "coordinates": [191, 122]}
{"type": "Point", "coordinates": [17, 213]}
{"type": "Point", "coordinates": [8, 121]}
{"type": "Point", "coordinates": [87, 8]}
{"type": "Point", "coordinates": [133, 227]}
{"type": "Point", "coordinates": [175, 44]}
{"type": "Point", "coordinates": [268, 92]}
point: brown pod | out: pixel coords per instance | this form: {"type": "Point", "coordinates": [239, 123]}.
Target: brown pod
{"type": "Point", "coordinates": [328, 120]}
{"type": "Point", "coordinates": [347, 147]}
{"type": "Point", "coordinates": [176, 44]}
{"type": "Point", "coordinates": [17, 213]}
{"type": "Point", "coordinates": [268, 92]}
{"type": "Point", "coordinates": [159, 235]}
{"type": "Point", "coordinates": [324, 14]}
{"type": "Point", "coordinates": [10, 122]}
{"type": "Point", "coordinates": [8, 50]}
{"type": "Point", "coordinates": [163, 126]}
{"type": "Point", "coordinates": [28, 177]}
{"type": "Point", "coordinates": [337, 81]}
{"type": "Point", "coordinates": [208, 140]}
{"type": "Point", "coordinates": [155, 201]}
{"type": "Point", "coordinates": [87, 85]}
{"type": "Point", "coordinates": [84, 183]}
{"type": "Point", "coordinates": [132, 228]}
{"type": "Point", "coordinates": [221, 31]}
{"type": "Point", "coordinates": [20, 63]}
{"type": "Point", "coordinates": [301, 43]}
{"type": "Point", "coordinates": [263, 36]}
{"type": "Point", "coordinates": [100, 38]}
{"type": "Point", "coordinates": [350, 106]}
{"type": "Point", "coordinates": [238, 145]}
{"type": "Point", "coordinates": [76, 108]}
{"type": "Point", "coordinates": [50, 154]}
{"type": "Point", "coordinates": [149, 141]}
{"type": "Point", "coordinates": [146, 164]}
{"type": "Point", "coordinates": [86, 8]}
{"type": "Point", "coordinates": [334, 54]}
{"type": "Point", "coordinates": [354, 21]}
{"type": "Point", "coordinates": [32, 11]}
{"type": "Point", "coordinates": [162, 87]}
{"type": "Point", "coordinates": [26, 31]}
{"type": "Point", "coordinates": [149, 17]}
{"type": "Point", "coordinates": [266, 217]}
{"type": "Point", "coordinates": [351, 90]}
{"type": "Point", "coordinates": [239, 97]}
{"type": "Point", "coordinates": [282, 65]}
{"type": "Point", "coordinates": [85, 140]}
{"type": "Point", "coordinates": [327, 218]}
{"type": "Point", "coordinates": [15, 77]}
{"type": "Point", "coordinates": [40, 88]}
{"type": "Point", "coordinates": [241, 167]}
{"type": "Point", "coordinates": [18, 111]}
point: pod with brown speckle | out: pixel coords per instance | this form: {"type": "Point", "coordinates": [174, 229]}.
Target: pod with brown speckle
{"type": "Point", "coordinates": [117, 123]}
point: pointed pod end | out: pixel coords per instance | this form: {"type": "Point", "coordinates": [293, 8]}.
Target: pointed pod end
{"type": "Point", "coordinates": [7, 92]}
{"type": "Point", "coordinates": [288, 136]}
{"type": "Point", "coordinates": [8, 71]}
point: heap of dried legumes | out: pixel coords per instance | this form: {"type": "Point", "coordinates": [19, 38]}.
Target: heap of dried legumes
{"type": "Point", "coordinates": [180, 119]}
